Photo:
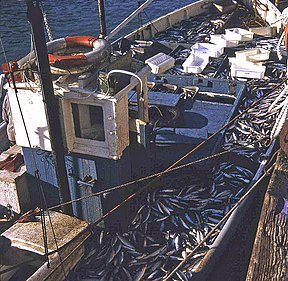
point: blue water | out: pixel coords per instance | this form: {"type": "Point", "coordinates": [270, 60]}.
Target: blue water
{"type": "Point", "coordinates": [69, 17]}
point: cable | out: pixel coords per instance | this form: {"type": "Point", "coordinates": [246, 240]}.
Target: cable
{"type": "Point", "coordinates": [171, 169]}
{"type": "Point", "coordinates": [169, 275]}
{"type": "Point", "coordinates": [45, 19]}
{"type": "Point", "coordinates": [150, 21]}
{"type": "Point", "coordinates": [188, 154]}
{"type": "Point", "coordinates": [142, 179]}
{"type": "Point", "coordinates": [37, 175]}
{"type": "Point", "coordinates": [29, 142]}
{"type": "Point", "coordinates": [124, 72]}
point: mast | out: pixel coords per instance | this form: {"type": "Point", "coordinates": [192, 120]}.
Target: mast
{"type": "Point", "coordinates": [101, 8]}
{"type": "Point", "coordinates": [35, 18]}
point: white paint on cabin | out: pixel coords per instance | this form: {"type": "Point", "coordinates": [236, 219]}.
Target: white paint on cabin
{"type": "Point", "coordinates": [115, 118]}
{"type": "Point", "coordinates": [81, 134]}
{"type": "Point", "coordinates": [32, 106]}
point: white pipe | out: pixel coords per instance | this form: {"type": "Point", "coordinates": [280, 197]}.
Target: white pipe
{"type": "Point", "coordinates": [128, 19]}
{"type": "Point", "coordinates": [128, 73]}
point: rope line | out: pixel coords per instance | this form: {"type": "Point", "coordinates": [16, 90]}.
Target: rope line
{"type": "Point", "coordinates": [151, 22]}
{"type": "Point", "coordinates": [189, 153]}
{"type": "Point", "coordinates": [171, 169]}
{"type": "Point", "coordinates": [37, 175]}
{"type": "Point", "coordinates": [168, 276]}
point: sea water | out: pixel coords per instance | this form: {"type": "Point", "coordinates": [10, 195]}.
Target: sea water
{"type": "Point", "coordinates": [71, 17]}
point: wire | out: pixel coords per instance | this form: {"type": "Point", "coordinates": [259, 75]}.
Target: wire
{"type": "Point", "coordinates": [150, 21]}
{"type": "Point", "coordinates": [29, 142]}
{"type": "Point", "coordinates": [169, 275]}
{"type": "Point", "coordinates": [188, 154]}
{"type": "Point", "coordinates": [37, 175]}
{"type": "Point", "coordinates": [141, 179]}
{"type": "Point", "coordinates": [45, 19]}
{"type": "Point", "coordinates": [127, 73]}
{"type": "Point", "coordinates": [172, 167]}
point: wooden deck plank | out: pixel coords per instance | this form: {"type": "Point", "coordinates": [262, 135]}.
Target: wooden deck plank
{"type": "Point", "coordinates": [269, 259]}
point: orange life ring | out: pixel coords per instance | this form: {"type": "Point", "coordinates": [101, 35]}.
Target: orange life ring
{"type": "Point", "coordinates": [99, 51]}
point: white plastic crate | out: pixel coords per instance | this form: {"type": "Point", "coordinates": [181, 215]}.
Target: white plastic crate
{"type": "Point", "coordinates": [262, 55]}
{"type": "Point", "coordinates": [160, 63]}
{"type": "Point", "coordinates": [243, 63]}
{"type": "Point", "coordinates": [257, 71]}
{"type": "Point", "coordinates": [222, 40]}
{"type": "Point", "coordinates": [194, 64]}
{"type": "Point", "coordinates": [253, 55]}
{"type": "Point", "coordinates": [207, 50]}
{"type": "Point", "coordinates": [239, 34]}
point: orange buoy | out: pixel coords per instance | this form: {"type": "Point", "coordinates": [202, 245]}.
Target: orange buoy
{"type": "Point", "coordinates": [99, 51]}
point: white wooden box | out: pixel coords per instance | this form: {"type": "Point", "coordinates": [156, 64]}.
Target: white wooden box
{"type": "Point", "coordinates": [194, 64]}
{"type": "Point", "coordinates": [13, 186]}
{"type": "Point", "coordinates": [207, 50]}
{"type": "Point", "coordinates": [160, 63]}
{"type": "Point", "coordinates": [96, 125]}
{"type": "Point", "coordinates": [253, 55]}
{"type": "Point", "coordinates": [257, 71]}
{"type": "Point", "coordinates": [239, 34]}
{"type": "Point", "coordinates": [222, 40]}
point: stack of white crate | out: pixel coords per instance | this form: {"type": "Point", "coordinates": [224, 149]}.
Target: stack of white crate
{"type": "Point", "coordinates": [199, 57]}
{"type": "Point", "coordinates": [160, 63]}
{"type": "Point", "coordinates": [232, 37]}
{"type": "Point", "coordinates": [248, 63]}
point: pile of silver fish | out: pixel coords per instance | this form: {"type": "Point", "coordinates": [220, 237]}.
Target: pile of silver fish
{"type": "Point", "coordinates": [165, 230]}
{"type": "Point", "coordinates": [251, 131]}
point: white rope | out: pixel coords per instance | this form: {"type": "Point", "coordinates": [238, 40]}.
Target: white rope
{"type": "Point", "coordinates": [284, 20]}
{"type": "Point", "coordinates": [284, 92]}
{"type": "Point", "coordinates": [46, 23]}
{"type": "Point", "coordinates": [279, 55]}
{"type": "Point", "coordinates": [281, 118]}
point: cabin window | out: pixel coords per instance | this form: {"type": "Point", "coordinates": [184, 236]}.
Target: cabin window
{"type": "Point", "coordinates": [88, 121]}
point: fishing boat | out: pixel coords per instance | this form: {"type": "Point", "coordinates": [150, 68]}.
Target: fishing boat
{"type": "Point", "coordinates": [154, 139]}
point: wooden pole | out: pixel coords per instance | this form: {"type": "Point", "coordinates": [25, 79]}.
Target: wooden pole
{"type": "Point", "coordinates": [101, 9]}
{"type": "Point", "coordinates": [35, 18]}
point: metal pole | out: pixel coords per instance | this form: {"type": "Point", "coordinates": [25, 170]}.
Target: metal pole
{"type": "Point", "coordinates": [128, 19]}
{"type": "Point", "coordinates": [35, 18]}
{"type": "Point", "coordinates": [139, 16]}
{"type": "Point", "coordinates": [101, 8]}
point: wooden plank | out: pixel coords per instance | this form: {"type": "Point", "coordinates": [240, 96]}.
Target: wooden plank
{"type": "Point", "coordinates": [28, 235]}
{"type": "Point", "coordinates": [13, 185]}
{"type": "Point", "coordinates": [269, 260]}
